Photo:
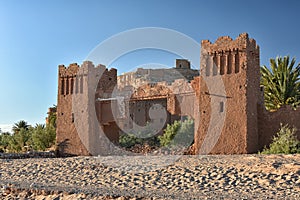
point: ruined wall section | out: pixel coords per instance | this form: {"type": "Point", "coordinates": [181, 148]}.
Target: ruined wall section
{"type": "Point", "coordinates": [143, 76]}
{"type": "Point", "coordinates": [107, 83]}
{"type": "Point", "coordinates": [232, 62]}
{"type": "Point", "coordinates": [269, 123]}
{"type": "Point", "coordinates": [177, 98]}
{"type": "Point", "coordinates": [105, 87]}
{"type": "Point", "coordinates": [180, 95]}
{"type": "Point", "coordinates": [182, 64]}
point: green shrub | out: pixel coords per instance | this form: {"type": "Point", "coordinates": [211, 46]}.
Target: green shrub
{"type": "Point", "coordinates": [144, 136]}
{"type": "Point", "coordinates": [178, 134]}
{"type": "Point", "coordinates": [43, 137]}
{"type": "Point", "coordinates": [18, 142]}
{"type": "Point", "coordinates": [169, 133]}
{"type": "Point", "coordinates": [38, 138]}
{"type": "Point", "coordinates": [4, 141]}
{"type": "Point", "coordinates": [128, 140]}
{"type": "Point", "coordinates": [284, 142]}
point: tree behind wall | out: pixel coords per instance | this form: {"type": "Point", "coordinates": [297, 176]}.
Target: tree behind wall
{"type": "Point", "coordinates": [20, 125]}
{"type": "Point", "coordinates": [281, 83]}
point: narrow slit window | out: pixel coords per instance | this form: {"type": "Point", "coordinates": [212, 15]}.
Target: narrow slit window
{"type": "Point", "coordinates": [208, 66]}
{"type": "Point", "coordinates": [81, 84]}
{"type": "Point", "coordinates": [221, 63]}
{"type": "Point", "coordinates": [215, 65]}
{"type": "Point", "coordinates": [72, 85]}
{"type": "Point", "coordinates": [76, 85]}
{"type": "Point", "coordinates": [62, 89]}
{"type": "Point", "coordinates": [67, 86]}
{"type": "Point", "coordinates": [237, 62]}
{"type": "Point", "coordinates": [229, 63]}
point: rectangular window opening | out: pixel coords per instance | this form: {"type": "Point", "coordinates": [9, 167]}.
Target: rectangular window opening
{"type": "Point", "coordinates": [221, 106]}
{"type": "Point", "coordinates": [62, 87]}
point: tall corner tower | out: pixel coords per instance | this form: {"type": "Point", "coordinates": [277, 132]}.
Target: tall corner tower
{"type": "Point", "coordinates": [67, 139]}
{"type": "Point", "coordinates": [228, 95]}
{"type": "Point", "coordinates": [80, 114]}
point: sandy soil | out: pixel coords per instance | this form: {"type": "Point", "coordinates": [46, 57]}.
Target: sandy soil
{"type": "Point", "coordinates": [152, 177]}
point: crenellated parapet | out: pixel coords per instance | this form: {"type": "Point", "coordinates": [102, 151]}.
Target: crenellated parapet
{"type": "Point", "coordinates": [71, 70]}
{"type": "Point", "coordinates": [227, 56]}
{"type": "Point", "coordinates": [71, 78]}
{"type": "Point", "coordinates": [67, 78]}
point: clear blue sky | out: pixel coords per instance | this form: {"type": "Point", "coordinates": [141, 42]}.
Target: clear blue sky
{"type": "Point", "coordinates": [37, 36]}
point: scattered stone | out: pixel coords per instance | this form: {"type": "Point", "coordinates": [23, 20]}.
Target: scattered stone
{"type": "Point", "coordinates": [149, 177]}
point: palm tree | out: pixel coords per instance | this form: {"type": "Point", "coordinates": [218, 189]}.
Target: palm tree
{"type": "Point", "coordinates": [51, 119]}
{"type": "Point", "coordinates": [281, 83]}
{"type": "Point", "coordinates": [20, 125]}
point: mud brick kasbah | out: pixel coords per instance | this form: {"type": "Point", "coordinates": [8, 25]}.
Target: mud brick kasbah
{"type": "Point", "coordinates": [183, 92]}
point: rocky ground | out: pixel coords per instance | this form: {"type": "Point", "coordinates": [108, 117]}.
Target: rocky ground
{"type": "Point", "coordinates": [152, 177]}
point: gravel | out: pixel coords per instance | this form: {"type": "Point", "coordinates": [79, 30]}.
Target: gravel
{"type": "Point", "coordinates": [152, 177]}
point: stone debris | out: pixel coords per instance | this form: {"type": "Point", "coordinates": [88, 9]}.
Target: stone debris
{"type": "Point", "coordinates": [148, 177]}
{"type": "Point", "coordinates": [30, 154]}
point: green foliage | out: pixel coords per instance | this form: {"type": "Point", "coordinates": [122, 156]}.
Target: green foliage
{"type": "Point", "coordinates": [20, 125]}
{"type": "Point", "coordinates": [4, 141]}
{"type": "Point", "coordinates": [281, 84]}
{"type": "Point", "coordinates": [129, 140]}
{"type": "Point", "coordinates": [178, 134]}
{"type": "Point", "coordinates": [52, 116]}
{"type": "Point", "coordinates": [169, 133]}
{"type": "Point", "coordinates": [284, 142]}
{"type": "Point", "coordinates": [38, 138]}
{"type": "Point", "coordinates": [43, 137]}
{"type": "Point", "coordinates": [144, 136]}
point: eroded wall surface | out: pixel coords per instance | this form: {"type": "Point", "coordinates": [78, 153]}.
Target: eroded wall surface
{"type": "Point", "coordinates": [269, 123]}
{"type": "Point", "coordinates": [76, 112]}
{"type": "Point", "coordinates": [228, 96]}
{"type": "Point", "coordinates": [225, 101]}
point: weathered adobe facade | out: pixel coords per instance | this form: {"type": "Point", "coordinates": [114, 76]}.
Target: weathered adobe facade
{"type": "Point", "coordinates": [226, 101]}
{"type": "Point", "coordinates": [74, 80]}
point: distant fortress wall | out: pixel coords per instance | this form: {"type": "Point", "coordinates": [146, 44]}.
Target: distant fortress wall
{"type": "Point", "coordinates": [141, 76]}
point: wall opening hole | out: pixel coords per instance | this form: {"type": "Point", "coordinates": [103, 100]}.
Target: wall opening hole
{"type": "Point", "coordinates": [221, 106]}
